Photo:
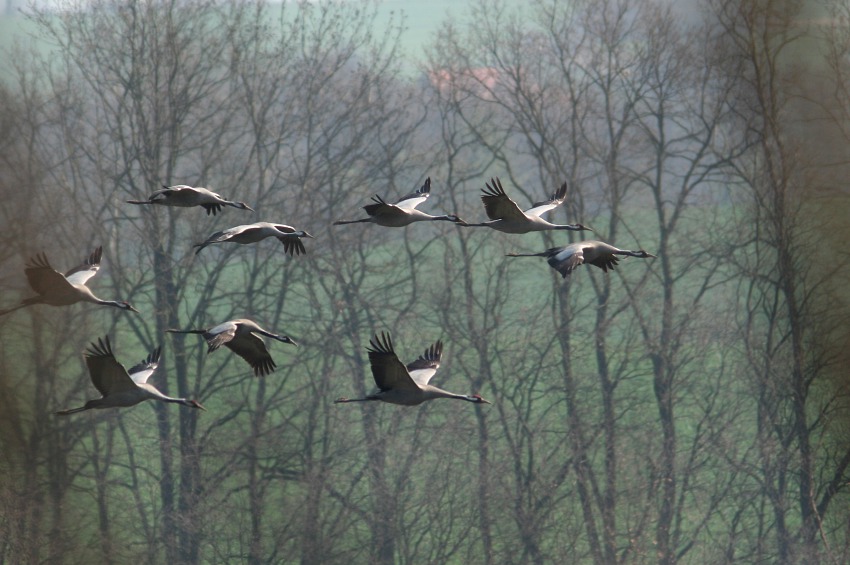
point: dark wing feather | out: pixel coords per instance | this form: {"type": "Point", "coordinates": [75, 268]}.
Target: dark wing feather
{"type": "Point", "coordinates": [414, 199]}
{"type": "Point", "coordinates": [93, 261]}
{"type": "Point", "coordinates": [107, 375]}
{"type": "Point", "coordinates": [43, 278]}
{"type": "Point", "coordinates": [82, 273]}
{"type": "Point", "coordinates": [252, 349]}
{"type": "Point", "coordinates": [378, 207]}
{"type": "Point", "coordinates": [142, 371]}
{"type": "Point", "coordinates": [389, 373]}
{"type": "Point", "coordinates": [556, 199]}
{"type": "Point", "coordinates": [564, 266]}
{"type": "Point", "coordinates": [212, 208]}
{"type": "Point", "coordinates": [150, 362]}
{"type": "Point", "coordinates": [216, 340]}
{"type": "Point", "coordinates": [218, 236]}
{"type": "Point", "coordinates": [605, 261]}
{"type": "Point", "coordinates": [425, 367]}
{"type": "Point", "coordinates": [497, 204]}
{"type": "Point", "coordinates": [293, 245]}
{"type": "Point", "coordinates": [429, 360]}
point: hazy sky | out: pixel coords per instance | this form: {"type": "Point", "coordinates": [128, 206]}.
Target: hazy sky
{"type": "Point", "coordinates": [423, 17]}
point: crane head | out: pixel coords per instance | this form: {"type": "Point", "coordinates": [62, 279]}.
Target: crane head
{"type": "Point", "coordinates": [126, 306]}
{"type": "Point", "coordinates": [195, 404]}
{"type": "Point", "coordinates": [286, 339]}
{"type": "Point", "coordinates": [478, 400]}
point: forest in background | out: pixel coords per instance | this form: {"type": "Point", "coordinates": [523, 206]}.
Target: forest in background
{"type": "Point", "coordinates": [691, 408]}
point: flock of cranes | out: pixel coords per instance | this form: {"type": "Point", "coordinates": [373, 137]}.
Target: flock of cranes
{"type": "Point", "coordinates": [397, 383]}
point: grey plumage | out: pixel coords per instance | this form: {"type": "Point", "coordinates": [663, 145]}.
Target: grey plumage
{"type": "Point", "coordinates": [405, 385]}
{"type": "Point", "coordinates": [242, 336]}
{"type": "Point", "coordinates": [252, 233]}
{"type": "Point", "coordinates": [597, 253]}
{"type": "Point", "coordinates": [403, 212]}
{"type": "Point", "coordinates": [118, 387]}
{"type": "Point", "coordinates": [56, 289]}
{"type": "Point", "coordinates": [185, 196]}
{"type": "Point", "coordinates": [506, 216]}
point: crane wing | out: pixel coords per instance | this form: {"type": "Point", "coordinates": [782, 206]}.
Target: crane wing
{"type": "Point", "coordinates": [212, 208]}
{"type": "Point", "coordinates": [414, 199]}
{"type": "Point", "coordinates": [283, 228]}
{"type": "Point", "coordinates": [163, 193]}
{"type": "Point", "coordinates": [81, 274]}
{"type": "Point", "coordinates": [565, 259]}
{"type": "Point", "coordinates": [605, 261]}
{"type": "Point", "coordinates": [217, 237]}
{"type": "Point", "coordinates": [422, 369]}
{"type": "Point", "coordinates": [43, 278]}
{"type": "Point", "coordinates": [252, 349]}
{"type": "Point", "coordinates": [382, 208]}
{"type": "Point", "coordinates": [497, 204]}
{"type": "Point", "coordinates": [229, 233]}
{"type": "Point", "coordinates": [293, 245]}
{"type": "Point", "coordinates": [107, 375]}
{"type": "Point", "coordinates": [168, 194]}
{"type": "Point", "coordinates": [183, 194]}
{"type": "Point", "coordinates": [225, 235]}
{"type": "Point", "coordinates": [389, 373]}
{"type": "Point", "coordinates": [220, 335]}
{"type": "Point", "coordinates": [554, 201]}
{"type": "Point", "coordinates": [203, 191]}
{"type": "Point", "coordinates": [141, 372]}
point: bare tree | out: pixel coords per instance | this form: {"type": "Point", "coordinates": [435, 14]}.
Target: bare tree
{"type": "Point", "coordinates": [612, 99]}
{"type": "Point", "coordinates": [787, 324]}
{"type": "Point", "coordinates": [680, 409]}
